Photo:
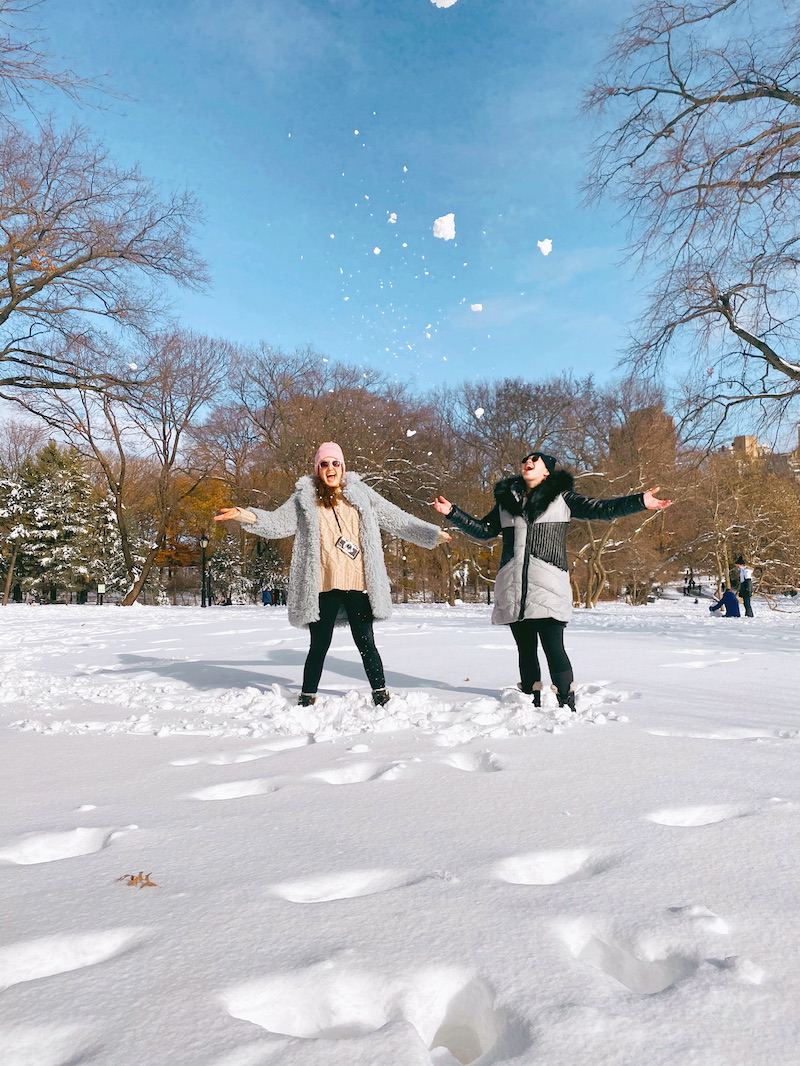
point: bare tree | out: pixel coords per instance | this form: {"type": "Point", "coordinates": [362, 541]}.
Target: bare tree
{"type": "Point", "coordinates": [25, 67]}
{"type": "Point", "coordinates": [183, 373]}
{"type": "Point", "coordinates": [19, 439]}
{"type": "Point", "coordinates": [702, 107]}
{"type": "Point", "coordinates": [85, 249]}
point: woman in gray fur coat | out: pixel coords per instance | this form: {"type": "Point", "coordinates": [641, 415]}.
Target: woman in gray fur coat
{"type": "Point", "coordinates": [532, 592]}
{"type": "Point", "coordinates": [337, 572]}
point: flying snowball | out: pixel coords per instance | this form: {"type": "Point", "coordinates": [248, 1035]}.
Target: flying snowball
{"type": "Point", "coordinates": [392, 218]}
{"type": "Point", "coordinates": [478, 412]}
{"type": "Point", "coordinates": [376, 251]}
{"type": "Point", "coordinates": [411, 432]}
{"type": "Point", "coordinates": [476, 307]}
{"type": "Point", "coordinates": [545, 246]}
{"type": "Point", "coordinates": [445, 227]}
{"type": "Point", "coordinates": [443, 3]}
{"type": "Point", "coordinates": [133, 366]}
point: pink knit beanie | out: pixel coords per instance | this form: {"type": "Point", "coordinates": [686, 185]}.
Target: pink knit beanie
{"type": "Point", "coordinates": [329, 450]}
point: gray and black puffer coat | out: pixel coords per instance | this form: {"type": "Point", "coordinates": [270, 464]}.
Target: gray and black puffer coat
{"type": "Point", "coordinates": [533, 579]}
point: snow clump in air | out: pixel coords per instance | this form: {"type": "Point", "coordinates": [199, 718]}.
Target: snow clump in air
{"type": "Point", "coordinates": [376, 251]}
{"type": "Point", "coordinates": [478, 412]}
{"type": "Point", "coordinates": [476, 307]}
{"type": "Point", "coordinates": [545, 246]}
{"type": "Point", "coordinates": [445, 227]}
{"type": "Point", "coordinates": [443, 3]}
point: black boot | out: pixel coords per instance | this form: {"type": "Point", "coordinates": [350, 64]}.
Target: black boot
{"type": "Point", "coordinates": [536, 692]}
{"type": "Point", "coordinates": [381, 696]}
{"type": "Point", "coordinates": [566, 699]}
{"type": "Point", "coordinates": [306, 699]}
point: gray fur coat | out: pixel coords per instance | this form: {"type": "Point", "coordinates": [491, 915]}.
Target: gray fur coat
{"type": "Point", "coordinates": [299, 517]}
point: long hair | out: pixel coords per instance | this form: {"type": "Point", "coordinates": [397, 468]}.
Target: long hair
{"type": "Point", "coordinates": [327, 495]}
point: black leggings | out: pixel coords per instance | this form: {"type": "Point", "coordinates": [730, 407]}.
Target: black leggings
{"type": "Point", "coordinates": [527, 634]}
{"type": "Point", "coordinates": [359, 615]}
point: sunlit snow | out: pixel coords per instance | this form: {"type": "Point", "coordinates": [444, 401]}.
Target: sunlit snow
{"type": "Point", "coordinates": [455, 877]}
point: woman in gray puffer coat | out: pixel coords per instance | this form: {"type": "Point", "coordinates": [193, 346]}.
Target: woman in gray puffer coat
{"type": "Point", "coordinates": [337, 573]}
{"type": "Point", "coordinates": [532, 592]}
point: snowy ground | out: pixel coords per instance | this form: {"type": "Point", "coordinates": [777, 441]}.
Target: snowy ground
{"type": "Point", "coordinates": [453, 878]}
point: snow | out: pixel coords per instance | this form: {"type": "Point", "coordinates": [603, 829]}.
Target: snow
{"type": "Point", "coordinates": [479, 412]}
{"type": "Point", "coordinates": [545, 246]}
{"type": "Point", "coordinates": [443, 3]}
{"type": "Point", "coordinates": [445, 227]}
{"type": "Point", "coordinates": [476, 307]}
{"type": "Point", "coordinates": [456, 877]}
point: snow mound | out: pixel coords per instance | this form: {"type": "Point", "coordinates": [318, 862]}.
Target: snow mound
{"type": "Point", "coordinates": [253, 712]}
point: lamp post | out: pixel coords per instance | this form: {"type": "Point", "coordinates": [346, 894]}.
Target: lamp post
{"type": "Point", "coordinates": [203, 546]}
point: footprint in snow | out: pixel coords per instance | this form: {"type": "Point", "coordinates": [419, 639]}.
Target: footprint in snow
{"type": "Point", "coordinates": [49, 847]}
{"type": "Point", "coordinates": [551, 867]}
{"type": "Point", "coordinates": [703, 814]}
{"type": "Point", "coordinates": [228, 790]}
{"type": "Point", "coordinates": [644, 969]}
{"type": "Point", "coordinates": [701, 664]}
{"type": "Point", "coordinates": [354, 773]}
{"type": "Point", "coordinates": [482, 761]}
{"type": "Point", "coordinates": [733, 733]}
{"type": "Point", "coordinates": [346, 884]}
{"type": "Point", "coordinates": [45, 1045]}
{"type": "Point", "coordinates": [451, 1008]}
{"type": "Point", "coordinates": [29, 960]}
{"type": "Point", "coordinates": [262, 751]}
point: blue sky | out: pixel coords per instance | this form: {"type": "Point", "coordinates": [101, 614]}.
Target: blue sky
{"type": "Point", "coordinates": [471, 109]}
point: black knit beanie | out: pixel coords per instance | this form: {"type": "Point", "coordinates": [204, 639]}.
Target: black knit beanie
{"type": "Point", "coordinates": [548, 460]}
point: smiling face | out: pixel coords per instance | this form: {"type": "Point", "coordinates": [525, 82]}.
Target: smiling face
{"type": "Point", "coordinates": [330, 471]}
{"type": "Point", "coordinates": [534, 471]}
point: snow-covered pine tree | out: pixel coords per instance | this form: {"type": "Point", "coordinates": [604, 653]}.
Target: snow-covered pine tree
{"type": "Point", "coordinates": [62, 528]}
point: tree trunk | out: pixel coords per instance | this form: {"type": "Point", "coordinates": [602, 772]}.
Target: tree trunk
{"type": "Point", "coordinates": [10, 575]}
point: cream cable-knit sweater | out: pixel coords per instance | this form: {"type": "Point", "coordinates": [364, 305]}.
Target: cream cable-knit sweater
{"type": "Point", "coordinates": [337, 570]}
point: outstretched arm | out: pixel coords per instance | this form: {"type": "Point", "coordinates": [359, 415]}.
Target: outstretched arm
{"type": "Point", "coordinates": [618, 507]}
{"type": "Point", "coordinates": [235, 514]}
{"type": "Point", "coordinates": [478, 528]}
{"type": "Point", "coordinates": [398, 522]}
{"type": "Point", "coordinates": [281, 522]}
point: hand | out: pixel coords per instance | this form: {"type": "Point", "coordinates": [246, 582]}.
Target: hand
{"type": "Point", "coordinates": [653, 504]}
{"type": "Point", "coordinates": [236, 514]}
{"type": "Point", "coordinates": [443, 538]}
{"type": "Point", "coordinates": [442, 505]}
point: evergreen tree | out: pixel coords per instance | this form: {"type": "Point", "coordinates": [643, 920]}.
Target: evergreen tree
{"type": "Point", "coordinates": [62, 529]}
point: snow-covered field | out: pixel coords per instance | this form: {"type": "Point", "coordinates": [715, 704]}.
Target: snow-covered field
{"type": "Point", "coordinates": [451, 879]}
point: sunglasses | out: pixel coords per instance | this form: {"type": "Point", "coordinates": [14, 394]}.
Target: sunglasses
{"type": "Point", "coordinates": [534, 456]}
{"type": "Point", "coordinates": [325, 463]}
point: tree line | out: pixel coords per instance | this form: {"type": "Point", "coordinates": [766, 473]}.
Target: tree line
{"type": "Point", "coordinates": [117, 487]}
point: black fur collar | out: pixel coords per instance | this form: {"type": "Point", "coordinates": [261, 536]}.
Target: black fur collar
{"type": "Point", "coordinates": [510, 493]}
